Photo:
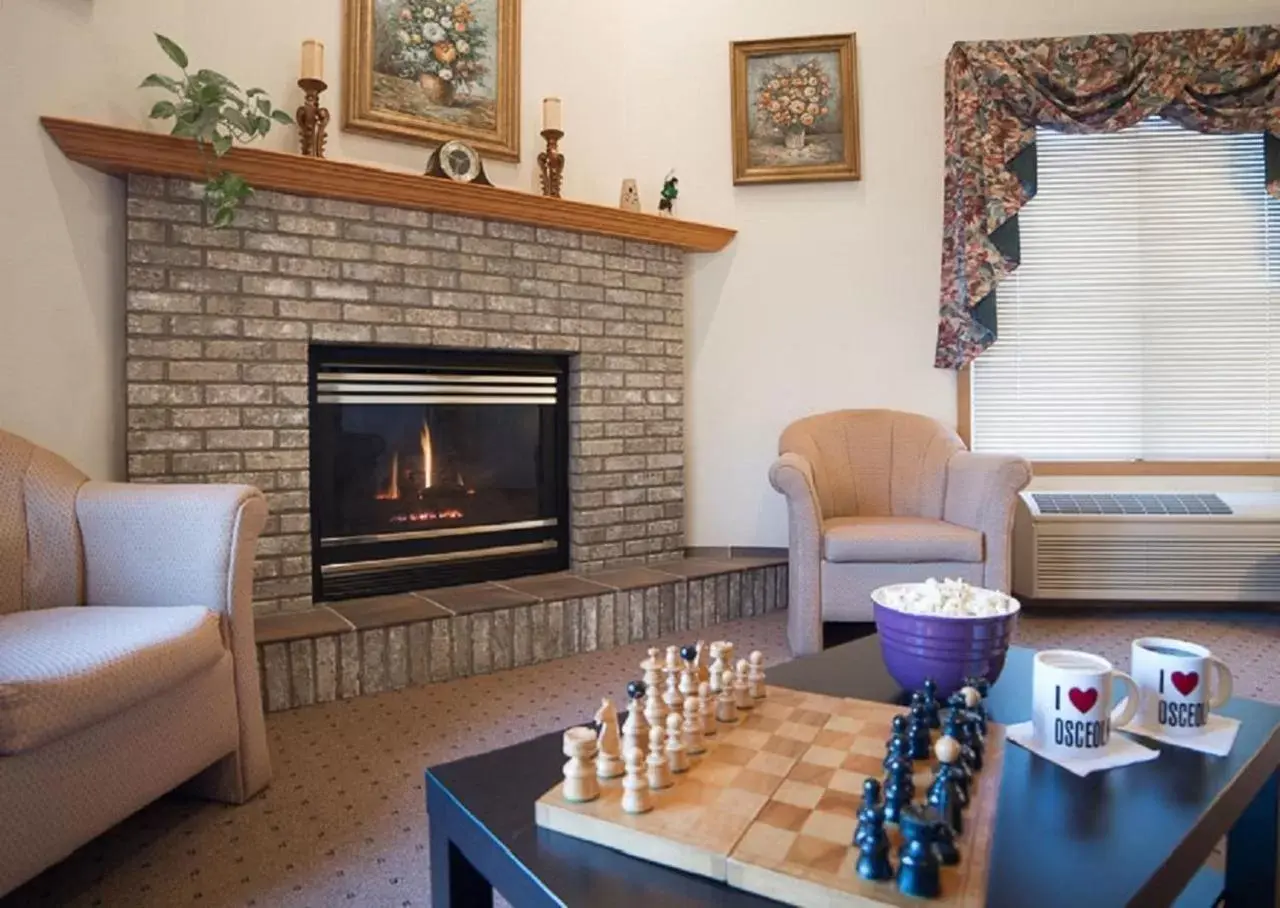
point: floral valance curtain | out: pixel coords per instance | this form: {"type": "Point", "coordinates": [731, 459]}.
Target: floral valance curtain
{"type": "Point", "coordinates": [998, 92]}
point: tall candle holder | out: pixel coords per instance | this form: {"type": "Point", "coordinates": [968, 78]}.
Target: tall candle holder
{"type": "Point", "coordinates": [312, 118]}
{"type": "Point", "coordinates": [551, 163]}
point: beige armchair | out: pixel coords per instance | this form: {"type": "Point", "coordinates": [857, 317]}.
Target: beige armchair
{"type": "Point", "coordinates": [879, 496]}
{"type": "Point", "coordinates": [127, 662]}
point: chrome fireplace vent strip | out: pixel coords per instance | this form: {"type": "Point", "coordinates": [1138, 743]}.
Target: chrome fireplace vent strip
{"type": "Point", "coordinates": [439, 532]}
{"type": "Point", "coordinates": [391, 564]}
{"type": "Point", "coordinates": [434, 388]}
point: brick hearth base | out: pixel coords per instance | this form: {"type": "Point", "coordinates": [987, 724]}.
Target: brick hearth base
{"type": "Point", "coordinates": [367, 646]}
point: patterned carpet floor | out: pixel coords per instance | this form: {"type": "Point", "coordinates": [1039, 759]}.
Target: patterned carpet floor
{"type": "Point", "coordinates": [343, 822]}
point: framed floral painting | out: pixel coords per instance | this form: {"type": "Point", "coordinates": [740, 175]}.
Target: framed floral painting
{"type": "Point", "coordinates": [795, 110]}
{"type": "Point", "coordinates": [433, 70]}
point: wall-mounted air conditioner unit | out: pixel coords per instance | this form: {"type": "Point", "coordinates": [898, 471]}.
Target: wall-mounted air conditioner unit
{"type": "Point", "coordinates": [1200, 547]}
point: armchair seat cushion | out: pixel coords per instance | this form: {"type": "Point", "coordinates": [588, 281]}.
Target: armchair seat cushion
{"type": "Point", "coordinates": [898, 539]}
{"type": "Point", "coordinates": [64, 669]}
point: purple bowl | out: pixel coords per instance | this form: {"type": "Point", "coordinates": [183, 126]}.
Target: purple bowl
{"type": "Point", "coordinates": [948, 650]}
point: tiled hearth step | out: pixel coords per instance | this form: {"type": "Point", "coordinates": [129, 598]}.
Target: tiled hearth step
{"type": "Point", "coordinates": [367, 646]}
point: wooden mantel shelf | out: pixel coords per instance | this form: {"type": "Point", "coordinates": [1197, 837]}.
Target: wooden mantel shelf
{"type": "Point", "coordinates": [119, 151]}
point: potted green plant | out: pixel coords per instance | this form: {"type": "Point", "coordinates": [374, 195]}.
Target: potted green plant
{"type": "Point", "coordinates": [211, 109]}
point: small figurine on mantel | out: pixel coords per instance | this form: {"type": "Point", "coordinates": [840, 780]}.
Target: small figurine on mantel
{"type": "Point", "coordinates": [670, 190]}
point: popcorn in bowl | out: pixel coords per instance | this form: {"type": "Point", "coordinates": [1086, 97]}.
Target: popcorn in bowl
{"type": "Point", "coordinates": [948, 599]}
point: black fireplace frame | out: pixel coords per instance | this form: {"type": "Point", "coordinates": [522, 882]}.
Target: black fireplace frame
{"type": "Point", "coordinates": [440, 359]}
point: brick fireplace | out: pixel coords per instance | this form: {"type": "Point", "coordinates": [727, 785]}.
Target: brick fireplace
{"type": "Point", "coordinates": [220, 323]}
{"type": "Point", "coordinates": [230, 334]}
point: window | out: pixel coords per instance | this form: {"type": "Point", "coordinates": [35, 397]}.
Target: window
{"type": "Point", "coordinates": [1144, 321]}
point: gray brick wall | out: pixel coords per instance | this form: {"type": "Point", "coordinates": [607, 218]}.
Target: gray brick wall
{"type": "Point", "coordinates": [218, 323]}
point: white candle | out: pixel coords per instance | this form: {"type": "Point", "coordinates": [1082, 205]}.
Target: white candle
{"type": "Point", "coordinates": [312, 59]}
{"type": "Point", "coordinates": [551, 114]}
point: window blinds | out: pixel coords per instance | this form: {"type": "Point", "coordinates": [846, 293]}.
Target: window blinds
{"type": "Point", "coordinates": [1144, 321]}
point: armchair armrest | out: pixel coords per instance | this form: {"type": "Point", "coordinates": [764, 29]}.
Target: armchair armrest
{"type": "Point", "coordinates": [982, 490]}
{"type": "Point", "coordinates": [156, 545]}
{"type": "Point", "coordinates": [164, 545]}
{"type": "Point", "coordinates": [792, 475]}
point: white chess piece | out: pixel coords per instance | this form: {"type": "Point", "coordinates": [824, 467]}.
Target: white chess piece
{"type": "Point", "coordinates": [726, 654]}
{"type": "Point", "coordinates": [706, 709]}
{"type": "Point", "coordinates": [726, 705]}
{"type": "Point", "coordinates": [580, 783]}
{"type": "Point", "coordinates": [655, 711]}
{"type": "Point", "coordinates": [692, 726]}
{"type": "Point", "coordinates": [672, 697]}
{"type": "Point", "coordinates": [635, 731]}
{"type": "Point", "coordinates": [659, 771]}
{"type": "Point", "coordinates": [689, 680]}
{"type": "Point", "coordinates": [608, 766]}
{"type": "Point", "coordinates": [755, 677]}
{"type": "Point", "coordinates": [652, 669]}
{"type": "Point", "coordinates": [677, 751]}
{"type": "Point", "coordinates": [703, 662]}
{"type": "Point", "coordinates": [673, 659]}
{"type": "Point", "coordinates": [741, 694]}
{"type": "Point", "coordinates": [635, 787]}
{"type": "Point", "coordinates": [717, 666]}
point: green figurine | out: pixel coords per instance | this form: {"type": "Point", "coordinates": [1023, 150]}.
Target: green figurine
{"type": "Point", "coordinates": [670, 189]}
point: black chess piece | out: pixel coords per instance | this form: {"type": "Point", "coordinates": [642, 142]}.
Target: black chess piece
{"type": "Point", "coordinates": [636, 690]}
{"type": "Point", "coordinates": [918, 734]}
{"type": "Point", "coordinates": [944, 845]}
{"type": "Point", "coordinates": [918, 868]}
{"type": "Point", "coordinates": [962, 768]}
{"type": "Point", "coordinates": [977, 743]}
{"type": "Point", "coordinates": [899, 789]}
{"type": "Point", "coordinates": [904, 769]}
{"type": "Point", "coordinates": [689, 653]}
{"type": "Point", "coordinates": [873, 850]}
{"type": "Point", "coordinates": [931, 703]}
{"type": "Point", "coordinates": [897, 747]}
{"type": "Point", "coordinates": [872, 809]}
{"type": "Point", "coordinates": [930, 689]}
{"type": "Point", "coordinates": [944, 793]}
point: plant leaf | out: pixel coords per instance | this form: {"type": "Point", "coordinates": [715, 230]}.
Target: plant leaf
{"type": "Point", "coordinates": [226, 212]}
{"type": "Point", "coordinates": [264, 106]}
{"type": "Point", "coordinates": [282, 118]}
{"type": "Point", "coordinates": [254, 92]}
{"type": "Point", "coordinates": [155, 80]}
{"type": "Point", "coordinates": [162, 110]}
{"type": "Point", "coordinates": [175, 53]}
{"type": "Point", "coordinates": [236, 119]}
{"type": "Point", "coordinates": [221, 145]}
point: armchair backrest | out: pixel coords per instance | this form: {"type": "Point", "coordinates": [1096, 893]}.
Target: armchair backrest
{"type": "Point", "coordinates": [875, 463]}
{"type": "Point", "coordinates": [41, 556]}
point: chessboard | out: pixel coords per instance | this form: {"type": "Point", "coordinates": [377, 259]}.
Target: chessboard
{"type": "Point", "coordinates": [771, 807]}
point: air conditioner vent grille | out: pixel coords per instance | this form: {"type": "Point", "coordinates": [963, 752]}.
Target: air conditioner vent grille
{"type": "Point", "coordinates": [1099, 503]}
{"type": "Point", "coordinates": [1163, 568]}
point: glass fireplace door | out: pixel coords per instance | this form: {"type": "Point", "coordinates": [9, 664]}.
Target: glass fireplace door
{"type": "Point", "coordinates": [445, 469]}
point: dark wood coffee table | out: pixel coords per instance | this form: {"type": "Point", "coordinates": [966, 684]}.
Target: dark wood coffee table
{"type": "Point", "coordinates": [1133, 836]}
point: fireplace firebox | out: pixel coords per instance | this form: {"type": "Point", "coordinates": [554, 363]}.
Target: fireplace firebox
{"type": "Point", "coordinates": [434, 467]}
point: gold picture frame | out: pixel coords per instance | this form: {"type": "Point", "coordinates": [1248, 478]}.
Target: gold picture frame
{"type": "Point", "coordinates": [411, 72]}
{"type": "Point", "coordinates": [779, 83]}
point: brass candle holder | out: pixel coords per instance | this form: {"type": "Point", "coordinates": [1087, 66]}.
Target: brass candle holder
{"type": "Point", "coordinates": [312, 118]}
{"type": "Point", "coordinates": [551, 163]}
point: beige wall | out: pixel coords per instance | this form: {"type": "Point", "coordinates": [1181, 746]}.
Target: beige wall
{"type": "Point", "coordinates": [826, 299]}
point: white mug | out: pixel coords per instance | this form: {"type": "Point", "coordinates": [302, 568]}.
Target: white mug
{"type": "Point", "coordinates": [1181, 684]}
{"type": "Point", "coordinates": [1071, 708]}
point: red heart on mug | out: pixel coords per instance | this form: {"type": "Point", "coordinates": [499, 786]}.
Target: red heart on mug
{"type": "Point", "coordinates": [1082, 700]}
{"type": "Point", "coordinates": [1185, 682]}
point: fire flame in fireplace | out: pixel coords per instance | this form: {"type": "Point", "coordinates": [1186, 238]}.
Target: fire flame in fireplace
{"type": "Point", "coordinates": [427, 465]}
{"type": "Point", "coordinates": [392, 491]}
